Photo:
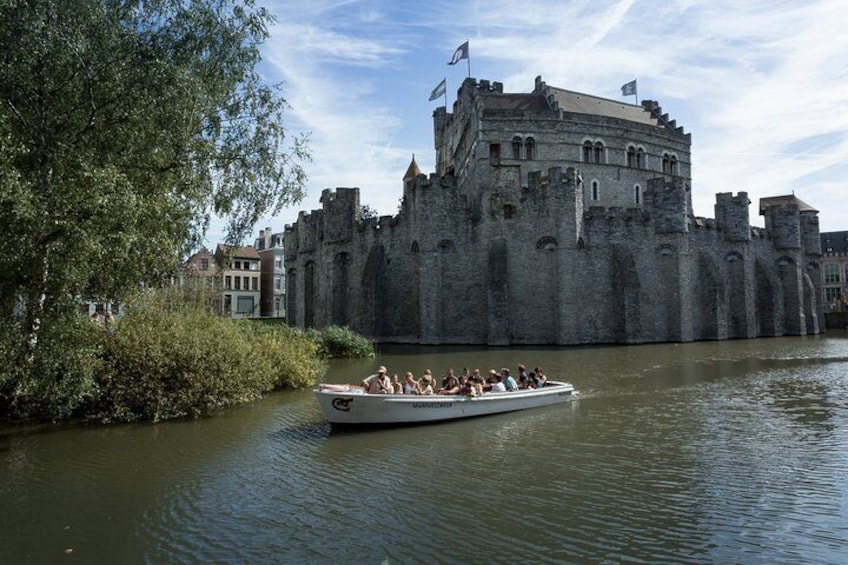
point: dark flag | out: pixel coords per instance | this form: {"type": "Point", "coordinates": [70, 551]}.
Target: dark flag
{"type": "Point", "coordinates": [629, 88]}
{"type": "Point", "coordinates": [460, 54]}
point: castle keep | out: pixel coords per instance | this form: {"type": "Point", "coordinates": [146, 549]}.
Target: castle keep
{"type": "Point", "coordinates": [554, 217]}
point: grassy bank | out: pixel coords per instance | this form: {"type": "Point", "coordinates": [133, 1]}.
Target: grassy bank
{"type": "Point", "coordinates": [165, 358]}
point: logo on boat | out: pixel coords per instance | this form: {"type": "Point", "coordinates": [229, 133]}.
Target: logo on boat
{"type": "Point", "coordinates": [432, 404]}
{"type": "Point", "coordinates": [342, 404]}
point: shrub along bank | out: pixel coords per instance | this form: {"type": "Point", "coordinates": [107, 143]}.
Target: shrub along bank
{"type": "Point", "coordinates": [165, 358]}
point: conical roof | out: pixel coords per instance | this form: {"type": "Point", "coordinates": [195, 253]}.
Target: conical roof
{"type": "Point", "coordinates": [413, 170]}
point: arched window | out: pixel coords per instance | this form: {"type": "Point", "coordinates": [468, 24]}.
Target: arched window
{"type": "Point", "coordinates": [640, 158]}
{"type": "Point", "coordinates": [631, 156]}
{"type": "Point", "coordinates": [637, 194]}
{"type": "Point", "coordinates": [587, 151]}
{"type": "Point", "coordinates": [516, 147]}
{"type": "Point", "coordinates": [530, 148]}
{"type": "Point", "coordinates": [595, 190]}
{"type": "Point", "coordinates": [669, 164]}
{"type": "Point", "coordinates": [509, 211]}
{"type": "Point", "coordinates": [599, 152]}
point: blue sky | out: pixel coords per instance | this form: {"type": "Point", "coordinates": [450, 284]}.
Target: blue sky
{"type": "Point", "coordinates": [761, 86]}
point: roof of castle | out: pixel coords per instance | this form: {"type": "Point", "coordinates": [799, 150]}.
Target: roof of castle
{"type": "Point", "coordinates": [579, 103]}
{"type": "Point", "coordinates": [786, 199]}
{"type": "Point", "coordinates": [413, 170]}
{"type": "Point", "coordinates": [517, 101]}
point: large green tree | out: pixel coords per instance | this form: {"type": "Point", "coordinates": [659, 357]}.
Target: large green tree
{"type": "Point", "coordinates": [124, 126]}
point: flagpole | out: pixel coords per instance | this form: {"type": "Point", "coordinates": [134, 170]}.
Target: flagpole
{"type": "Point", "coordinates": [468, 60]}
{"type": "Point", "coordinates": [445, 93]}
{"type": "Point", "coordinates": [636, 94]}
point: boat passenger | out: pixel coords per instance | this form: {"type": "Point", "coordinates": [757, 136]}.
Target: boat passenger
{"type": "Point", "coordinates": [524, 379]}
{"type": "Point", "coordinates": [449, 375]}
{"type": "Point", "coordinates": [497, 385]}
{"type": "Point", "coordinates": [508, 382]}
{"type": "Point", "coordinates": [539, 378]}
{"type": "Point", "coordinates": [425, 386]}
{"type": "Point", "coordinates": [378, 383]}
{"type": "Point", "coordinates": [491, 379]}
{"type": "Point", "coordinates": [467, 386]}
{"type": "Point", "coordinates": [410, 385]}
{"type": "Point", "coordinates": [450, 385]}
{"type": "Point", "coordinates": [397, 388]}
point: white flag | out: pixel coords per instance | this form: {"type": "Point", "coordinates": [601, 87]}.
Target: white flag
{"type": "Point", "coordinates": [439, 90]}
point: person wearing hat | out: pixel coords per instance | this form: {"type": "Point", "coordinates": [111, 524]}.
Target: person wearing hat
{"type": "Point", "coordinates": [378, 383]}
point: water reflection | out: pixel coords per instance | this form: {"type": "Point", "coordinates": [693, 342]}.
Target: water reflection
{"type": "Point", "coordinates": [697, 453]}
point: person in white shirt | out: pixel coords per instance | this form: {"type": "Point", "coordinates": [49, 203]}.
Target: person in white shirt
{"type": "Point", "coordinates": [378, 383]}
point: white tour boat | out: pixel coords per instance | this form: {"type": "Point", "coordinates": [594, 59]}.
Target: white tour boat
{"type": "Point", "coordinates": [355, 406]}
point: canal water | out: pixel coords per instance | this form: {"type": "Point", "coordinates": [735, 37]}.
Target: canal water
{"type": "Point", "coordinates": [713, 452]}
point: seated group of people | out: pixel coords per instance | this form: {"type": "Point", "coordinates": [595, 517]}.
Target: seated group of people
{"type": "Point", "coordinates": [470, 383]}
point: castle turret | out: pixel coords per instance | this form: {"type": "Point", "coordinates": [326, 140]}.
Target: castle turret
{"type": "Point", "coordinates": [667, 201]}
{"type": "Point", "coordinates": [783, 220]}
{"type": "Point", "coordinates": [341, 211]}
{"type": "Point", "coordinates": [810, 232]}
{"type": "Point", "coordinates": [732, 216]}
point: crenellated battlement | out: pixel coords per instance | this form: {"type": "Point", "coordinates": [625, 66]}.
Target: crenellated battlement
{"type": "Point", "coordinates": [656, 111]}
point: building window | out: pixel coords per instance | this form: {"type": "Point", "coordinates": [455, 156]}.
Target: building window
{"type": "Point", "coordinates": [228, 282]}
{"type": "Point", "coordinates": [516, 147]}
{"type": "Point", "coordinates": [237, 265]}
{"type": "Point", "coordinates": [587, 151]}
{"type": "Point", "coordinates": [831, 273]}
{"type": "Point", "coordinates": [595, 190]}
{"type": "Point", "coordinates": [244, 305]}
{"type": "Point", "coordinates": [228, 304]}
{"type": "Point", "coordinates": [495, 153]}
{"type": "Point", "coordinates": [640, 158]}
{"type": "Point", "coordinates": [254, 284]}
{"type": "Point", "coordinates": [832, 294]}
{"type": "Point", "coordinates": [599, 152]}
{"type": "Point", "coordinates": [238, 283]}
{"type": "Point", "coordinates": [637, 194]}
{"type": "Point", "coordinates": [631, 156]}
{"type": "Point", "coordinates": [254, 266]}
{"type": "Point", "coordinates": [669, 164]}
{"type": "Point", "coordinates": [509, 211]}
{"type": "Point", "coordinates": [204, 264]}
{"type": "Point", "coordinates": [530, 149]}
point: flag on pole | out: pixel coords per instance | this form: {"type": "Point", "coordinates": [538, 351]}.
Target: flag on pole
{"type": "Point", "coordinates": [460, 54]}
{"type": "Point", "coordinates": [439, 90]}
{"type": "Point", "coordinates": [629, 88]}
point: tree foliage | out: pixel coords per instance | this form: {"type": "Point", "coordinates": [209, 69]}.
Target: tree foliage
{"type": "Point", "coordinates": [124, 126]}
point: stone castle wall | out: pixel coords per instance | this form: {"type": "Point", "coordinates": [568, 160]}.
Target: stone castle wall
{"type": "Point", "coordinates": [505, 252]}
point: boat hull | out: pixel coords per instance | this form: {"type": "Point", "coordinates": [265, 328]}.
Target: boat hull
{"type": "Point", "coordinates": [356, 407]}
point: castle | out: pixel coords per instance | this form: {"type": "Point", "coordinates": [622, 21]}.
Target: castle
{"type": "Point", "coordinates": [554, 217]}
